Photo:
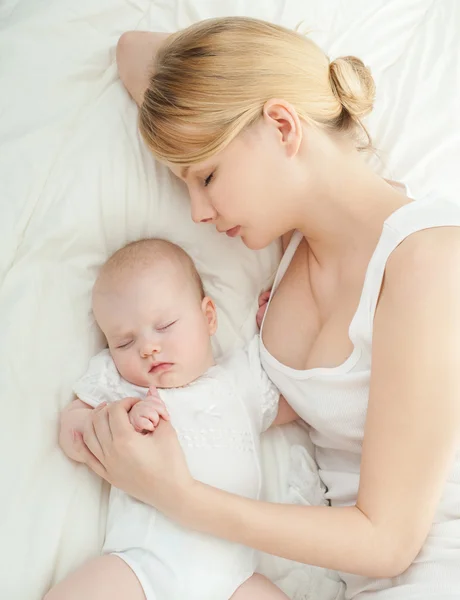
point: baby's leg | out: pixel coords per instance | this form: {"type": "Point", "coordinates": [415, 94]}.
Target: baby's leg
{"type": "Point", "coordinates": [258, 587]}
{"type": "Point", "coordinates": [104, 578]}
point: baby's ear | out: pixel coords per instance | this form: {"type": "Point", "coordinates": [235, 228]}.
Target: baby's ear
{"type": "Point", "coordinates": [209, 310]}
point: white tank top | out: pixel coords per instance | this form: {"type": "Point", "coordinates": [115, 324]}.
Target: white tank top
{"type": "Point", "coordinates": [333, 401]}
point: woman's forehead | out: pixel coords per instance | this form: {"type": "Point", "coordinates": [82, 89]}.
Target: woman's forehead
{"type": "Point", "coordinates": [244, 140]}
{"type": "Point", "coordinates": [183, 171]}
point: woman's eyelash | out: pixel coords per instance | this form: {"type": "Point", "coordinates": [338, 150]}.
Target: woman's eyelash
{"type": "Point", "coordinates": [208, 180]}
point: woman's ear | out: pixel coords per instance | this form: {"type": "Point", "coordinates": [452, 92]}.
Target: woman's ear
{"type": "Point", "coordinates": [209, 310]}
{"type": "Point", "coordinates": [284, 118]}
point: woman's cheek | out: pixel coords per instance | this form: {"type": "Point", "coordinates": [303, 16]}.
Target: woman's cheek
{"type": "Point", "coordinates": [219, 201]}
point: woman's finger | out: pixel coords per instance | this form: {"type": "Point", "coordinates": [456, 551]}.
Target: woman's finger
{"type": "Point", "coordinates": [102, 428]}
{"type": "Point", "coordinates": [89, 459]}
{"type": "Point", "coordinates": [118, 416]}
{"type": "Point", "coordinates": [126, 403]}
{"type": "Point", "coordinates": [91, 440]}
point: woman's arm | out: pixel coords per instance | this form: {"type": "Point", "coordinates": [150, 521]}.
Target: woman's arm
{"type": "Point", "coordinates": [72, 422]}
{"type": "Point", "coordinates": [135, 54]}
{"type": "Point", "coordinates": [411, 437]}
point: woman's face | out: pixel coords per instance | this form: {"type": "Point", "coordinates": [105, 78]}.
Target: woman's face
{"type": "Point", "coordinates": [249, 189]}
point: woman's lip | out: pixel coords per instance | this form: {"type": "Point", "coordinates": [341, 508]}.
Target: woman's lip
{"type": "Point", "coordinates": [160, 367]}
{"type": "Point", "coordinates": [233, 232]}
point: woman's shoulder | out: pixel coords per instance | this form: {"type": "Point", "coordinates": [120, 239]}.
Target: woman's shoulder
{"type": "Point", "coordinates": [426, 250]}
{"type": "Point", "coordinates": [421, 273]}
{"type": "Point", "coordinates": [424, 213]}
{"type": "Point", "coordinates": [419, 248]}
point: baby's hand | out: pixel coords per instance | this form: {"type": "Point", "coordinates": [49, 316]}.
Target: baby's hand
{"type": "Point", "coordinates": [145, 415]}
{"type": "Point", "coordinates": [263, 302]}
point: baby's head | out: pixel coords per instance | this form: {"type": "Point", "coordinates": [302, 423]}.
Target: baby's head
{"type": "Point", "coordinates": [150, 304]}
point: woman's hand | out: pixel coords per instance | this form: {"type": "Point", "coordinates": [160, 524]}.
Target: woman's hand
{"type": "Point", "coordinates": [150, 467]}
{"type": "Point", "coordinates": [136, 52]}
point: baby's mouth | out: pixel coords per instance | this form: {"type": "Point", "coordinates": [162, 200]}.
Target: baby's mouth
{"type": "Point", "coordinates": [160, 367]}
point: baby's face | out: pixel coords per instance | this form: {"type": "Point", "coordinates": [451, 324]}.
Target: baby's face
{"type": "Point", "coordinates": [157, 327]}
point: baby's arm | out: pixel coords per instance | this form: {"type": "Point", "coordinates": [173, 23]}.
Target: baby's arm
{"type": "Point", "coordinates": [274, 410]}
{"type": "Point", "coordinates": [72, 424]}
{"type": "Point", "coordinates": [258, 587]}
{"type": "Point", "coordinates": [286, 414]}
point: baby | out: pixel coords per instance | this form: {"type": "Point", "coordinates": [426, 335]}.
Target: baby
{"type": "Point", "coordinates": [149, 302]}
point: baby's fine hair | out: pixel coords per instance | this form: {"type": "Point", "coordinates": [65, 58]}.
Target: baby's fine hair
{"type": "Point", "coordinates": [146, 252]}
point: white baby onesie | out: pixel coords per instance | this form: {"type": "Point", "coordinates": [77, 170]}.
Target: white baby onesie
{"type": "Point", "coordinates": [218, 419]}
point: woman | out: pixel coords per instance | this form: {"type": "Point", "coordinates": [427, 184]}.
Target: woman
{"type": "Point", "coordinates": [361, 331]}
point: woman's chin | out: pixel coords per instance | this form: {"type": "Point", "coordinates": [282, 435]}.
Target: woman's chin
{"type": "Point", "coordinates": [255, 243]}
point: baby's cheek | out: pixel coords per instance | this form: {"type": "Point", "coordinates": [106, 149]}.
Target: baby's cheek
{"type": "Point", "coordinates": [120, 363]}
{"type": "Point", "coordinates": [130, 369]}
{"type": "Point", "coordinates": [196, 351]}
{"type": "Point", "coordinates": [188, 352]}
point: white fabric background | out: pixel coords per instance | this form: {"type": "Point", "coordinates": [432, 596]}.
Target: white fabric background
{"type": "Point", "coordinates": [76, 183]}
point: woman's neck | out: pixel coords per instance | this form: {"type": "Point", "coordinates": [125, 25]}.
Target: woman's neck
{"type": "Point", "coordinates": [346, 216]}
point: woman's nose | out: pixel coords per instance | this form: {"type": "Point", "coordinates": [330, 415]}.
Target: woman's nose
{"type": "Point", "coordinates": [202, 210]}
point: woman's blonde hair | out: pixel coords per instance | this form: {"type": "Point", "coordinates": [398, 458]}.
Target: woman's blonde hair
{"type": "Point", "coordinates": [211, 80]}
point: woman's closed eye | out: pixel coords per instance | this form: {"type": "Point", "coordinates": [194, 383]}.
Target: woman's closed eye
{"type": "Point", "coordinates": [208, 179]}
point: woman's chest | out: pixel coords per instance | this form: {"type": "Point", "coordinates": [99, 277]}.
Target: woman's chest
{"type": "Point", "coordinates": [308, 320]}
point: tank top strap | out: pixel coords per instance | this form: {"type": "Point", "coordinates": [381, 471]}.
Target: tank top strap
{"type": "Point", "coordinates": [282, 268]}
{"type": "Point", "coordinates": [287, 258]}
{"type": "Point", "coordinates": [410, 218]}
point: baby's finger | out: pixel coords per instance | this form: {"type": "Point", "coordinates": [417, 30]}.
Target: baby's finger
{"type": "Point", "coordinates": [260, 315]}
{"type": "Point", "coordinates": [153, 392]}
{"type": "Point", "coordinates": [153, 417]}
{"type": "Point", "coordinates": [264, 297]}
{"type": "Point", "coordinates": [160, 408]}
{"type": "Point", "coordinates": [143, 424]}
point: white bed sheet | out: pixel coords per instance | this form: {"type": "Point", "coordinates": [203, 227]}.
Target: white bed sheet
{"type": "Point", "coordinates": [76, 183]}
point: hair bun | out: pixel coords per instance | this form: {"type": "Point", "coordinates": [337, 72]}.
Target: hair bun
{"type": "Point", "coordinates": [353, 85]}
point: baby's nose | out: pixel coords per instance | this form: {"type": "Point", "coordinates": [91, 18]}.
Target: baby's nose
{"type": "Point", "coordinates": [148, 348]}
